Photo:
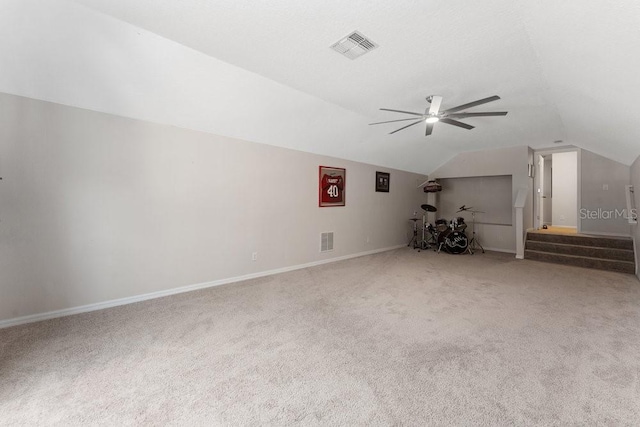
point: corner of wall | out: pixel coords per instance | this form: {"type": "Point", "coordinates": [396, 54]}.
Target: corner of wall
{"type": "Point", "coordinates": [634, 178]}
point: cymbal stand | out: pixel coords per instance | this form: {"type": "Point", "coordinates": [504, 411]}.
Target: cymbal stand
{"type": "Point", "coordinates": [424, 245]}
{"type": "Point", "coordinates": [474, 244]}
{"type": "Point", "coordinates": [414, 239]}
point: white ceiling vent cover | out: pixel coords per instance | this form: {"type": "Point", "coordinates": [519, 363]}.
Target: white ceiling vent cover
{"type": "Point", "coordinates": [354, 45]}
{"type": "Point", "coordinates": [326, 242]}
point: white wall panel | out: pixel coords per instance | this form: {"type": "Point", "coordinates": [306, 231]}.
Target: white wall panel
{"type": "Point", "coordinates": [95, 207]}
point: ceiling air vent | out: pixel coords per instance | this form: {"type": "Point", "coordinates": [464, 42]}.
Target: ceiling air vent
{"type": "Point", "coordinates": [354, 45]}
{"type": "Point", "coordinates": [326, 242]}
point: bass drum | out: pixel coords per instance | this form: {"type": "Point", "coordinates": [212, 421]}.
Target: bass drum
{"type": "Point", "coordinates": [453, 242]}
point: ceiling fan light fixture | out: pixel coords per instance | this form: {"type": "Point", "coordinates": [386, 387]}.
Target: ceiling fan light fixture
{"type": "Point", "coordinates": [433, 114]}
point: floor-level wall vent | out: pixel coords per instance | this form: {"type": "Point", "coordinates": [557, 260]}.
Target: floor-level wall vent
{"type": "Point", "coordinates": [326, 241]}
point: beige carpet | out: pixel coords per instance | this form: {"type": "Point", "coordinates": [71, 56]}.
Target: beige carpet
{"type": "Point", "coordinates": [398, 338]}
{"type": "Point", "coordinates": [556, 230]}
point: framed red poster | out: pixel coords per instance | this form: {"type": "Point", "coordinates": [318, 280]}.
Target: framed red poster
{"type": "Point", "coordinates": [331, 186]}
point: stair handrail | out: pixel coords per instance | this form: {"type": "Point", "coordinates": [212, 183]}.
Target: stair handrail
{"type": "Point", "coordinates": [632, 214]}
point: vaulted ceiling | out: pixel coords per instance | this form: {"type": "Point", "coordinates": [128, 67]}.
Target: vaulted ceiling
{"type": "Point", "coordinates": [565, 70]}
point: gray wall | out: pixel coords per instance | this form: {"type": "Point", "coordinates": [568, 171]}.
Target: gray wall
{"type": "Point", "coordinates": [95, 207]}
{"type": "Point", "coordinates": [564, 187]}
{"type": "Point", "coordinates": [603, 187]}
{"type": "Point", "coordinates": [502, 161]}
{"type": "Point", "coordinates": [489, 194]}
{"type": "Point", "coordinates": [635, 181]}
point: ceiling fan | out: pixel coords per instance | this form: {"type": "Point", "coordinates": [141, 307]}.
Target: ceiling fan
{"type": "Point", "coordinates": [433, 114]}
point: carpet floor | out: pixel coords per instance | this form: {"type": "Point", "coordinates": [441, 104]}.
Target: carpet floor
{"type": "Point", "coordinates": [555, 230]}
{"type": "Point", "coordinates": [397, 338]}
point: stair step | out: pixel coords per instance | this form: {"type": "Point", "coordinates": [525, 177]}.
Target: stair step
{"type": "Point", "coordinates": [582, 240]}
{"type": "Point", "coordinates": [582, 261]}
{"type": "Point", "coordinates": [585, 251]}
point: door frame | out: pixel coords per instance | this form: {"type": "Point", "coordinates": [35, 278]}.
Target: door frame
{"type": "Point", "coordinates": [536, 181]}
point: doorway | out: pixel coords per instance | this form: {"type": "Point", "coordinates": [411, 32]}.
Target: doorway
{"type": "Point", "coordinates": [557, 191]}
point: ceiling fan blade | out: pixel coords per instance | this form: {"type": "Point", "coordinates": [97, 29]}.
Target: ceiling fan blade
{"type": "Point", "coordinates": [457, 123]}
{"type": "Point", "coordinates": [400, 111]}
{"type": "Point", "coordinates": [472, 104]}
{"type": "Point", "coordinates": [398, 130]}
{"type": "Point", "coordinates": [429, 129]}
{"type": "Point", "coordinates": [488, 114]}
{"type": "Point", "coordinates": [391, 121]}
{"type": "Point", "coordinates": [435, 105]}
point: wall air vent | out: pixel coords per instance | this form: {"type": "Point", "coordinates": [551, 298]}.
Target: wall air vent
{"type": "Point", "coordinates": [326, 242]}
{"type": "Point", "coordinates": [354, 45]}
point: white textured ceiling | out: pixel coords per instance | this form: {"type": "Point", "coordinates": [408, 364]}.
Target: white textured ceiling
{"type": "Point", "coordinates": [564, 69]}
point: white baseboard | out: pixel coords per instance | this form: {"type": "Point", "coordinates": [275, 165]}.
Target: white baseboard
{"type": "Point", "coordinates": [144, 297]}
{"type": "Point", "coordinates": [507, 251]}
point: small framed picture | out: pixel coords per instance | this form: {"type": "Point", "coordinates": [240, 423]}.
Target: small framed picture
{"type": "Point", "coordinates": [382, 182]}
{"type": "Point", "coordinates": [331, 186]}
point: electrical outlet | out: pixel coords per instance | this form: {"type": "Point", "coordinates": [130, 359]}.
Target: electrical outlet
{"type": "Point", "coordinates": [254, 256]}
{"type": "Point", "coordinates": [605, 187]}
{"type": "Point", "coordinates": [368, 239]}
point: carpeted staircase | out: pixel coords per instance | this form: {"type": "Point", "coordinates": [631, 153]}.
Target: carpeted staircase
{"type": "Point", "coordinates": [604, 253]}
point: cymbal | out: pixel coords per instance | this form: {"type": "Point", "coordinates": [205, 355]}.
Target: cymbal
{"type": "Point", "coordinates": [429, 208]}
{"type": "Point", "coordinates": [464, 209]}
{"type": "Point", "coordinates": [414, 219]}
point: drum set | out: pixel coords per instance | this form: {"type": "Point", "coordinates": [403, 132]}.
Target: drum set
{"type": "Point", "coordinates": [449, 236]}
